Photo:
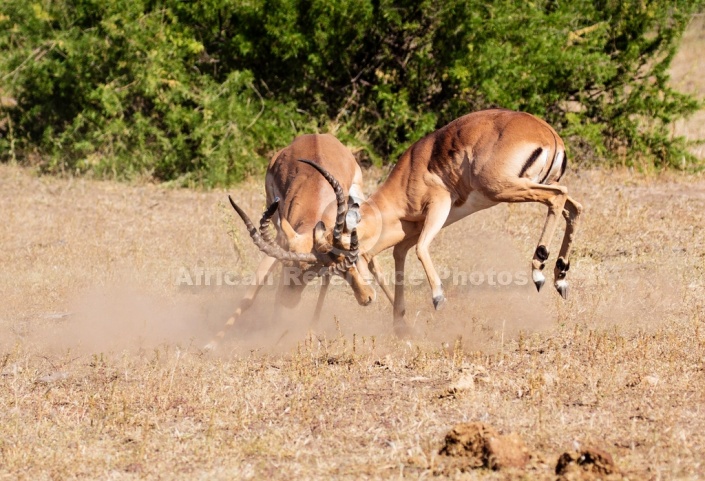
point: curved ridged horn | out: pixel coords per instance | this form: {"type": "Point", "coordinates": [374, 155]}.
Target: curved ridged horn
{"type": "Point", "coordinates": [354, 246]}
{"type": "Point", "coordinates": [265, 222]}
{"type": "Point", "coordinates": [349, 259]}
{"type": "Point", "coordinates": [272, 250]}
{"type": "Point", "coordinates": [339, 196]}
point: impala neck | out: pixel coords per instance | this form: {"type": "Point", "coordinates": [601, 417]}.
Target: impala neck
{"type": "Point", "coordinates": [381, 226]}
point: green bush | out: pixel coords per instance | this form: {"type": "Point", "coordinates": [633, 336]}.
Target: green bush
{"type": "Point", "coordinates": [115, 88]}
{"type": "Point", "coordinates": [203, 92]}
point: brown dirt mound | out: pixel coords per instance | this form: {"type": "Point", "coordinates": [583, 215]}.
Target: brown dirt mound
{"type": "Point", "coordinates": [588, 464]}
{"type": "Point", "coordinates": [481, 446]}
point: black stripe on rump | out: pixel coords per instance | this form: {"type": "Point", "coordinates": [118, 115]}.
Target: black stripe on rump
{"type": "Point", "coordinates": [530, 161]}
{"type": "Point", "coordinates": [563, 166]}
{"type": "Point", "coordinates": [550, 168]}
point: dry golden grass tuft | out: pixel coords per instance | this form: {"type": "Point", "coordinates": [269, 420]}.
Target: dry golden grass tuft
{"type": "Point", "coordinates": [102, 373]}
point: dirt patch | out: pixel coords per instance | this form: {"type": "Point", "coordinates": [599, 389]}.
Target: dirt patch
{"type": "Point", "coordinates": [477, 445]}
{"type": "Point", "coordinates": [588, 464]}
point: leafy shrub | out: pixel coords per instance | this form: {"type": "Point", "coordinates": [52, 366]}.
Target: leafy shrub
{"type": "Point", "coordinates": [115, 88]}
{"type": "Point", "coordinates": [204, 92]}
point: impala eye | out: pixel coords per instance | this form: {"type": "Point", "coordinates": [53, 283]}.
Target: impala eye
{"type": "Point", "coordinates": [352, 218]}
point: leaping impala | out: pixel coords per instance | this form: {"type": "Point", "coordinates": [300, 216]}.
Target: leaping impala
{"type": "Point", "coordinates": [304, 204]}
{"type": "Point", "coordinates": [475, 162]}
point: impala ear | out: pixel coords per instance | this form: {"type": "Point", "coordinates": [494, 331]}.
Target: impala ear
{"type": "Point", "coordinates": [289, 231]}
{"type": "Point", "coordinates": [321, 244]}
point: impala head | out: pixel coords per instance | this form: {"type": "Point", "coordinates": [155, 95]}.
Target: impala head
{"type": "Point", "coordinates": [301, 265]}
{"type": "Point", "coordinates": [341, 244]}
{"type": "Point", "coordinates": [346, 261]}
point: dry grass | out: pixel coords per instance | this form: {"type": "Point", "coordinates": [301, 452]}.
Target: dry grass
{"type": "Point", "coordinates": [103, 376]}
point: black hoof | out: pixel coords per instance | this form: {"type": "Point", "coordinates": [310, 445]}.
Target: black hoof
{"type": "Point", "coordinates": [439, 302]}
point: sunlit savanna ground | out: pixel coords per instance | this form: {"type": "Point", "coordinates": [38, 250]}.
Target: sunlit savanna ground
{"type": "Point", "coordinates": [103, 376]}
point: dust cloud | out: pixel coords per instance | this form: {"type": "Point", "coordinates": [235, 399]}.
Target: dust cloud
{"type": "Point", "coordinates": [486, 278]}
{"type": "Point", "coordinates": [120, 317]}
{"type": "Point", "coordinates": [487, 281]}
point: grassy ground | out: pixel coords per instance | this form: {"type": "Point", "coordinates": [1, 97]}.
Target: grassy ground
{"type": "Point", "coordinates": [103, 375]}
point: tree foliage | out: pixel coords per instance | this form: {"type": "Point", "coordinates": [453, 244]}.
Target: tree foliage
{"type": "Point", "coordinates": [205, 91]}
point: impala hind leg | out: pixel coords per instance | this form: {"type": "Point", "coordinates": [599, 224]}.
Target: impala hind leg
{"type": "Point", "coordinates": [571, 212]}
{"type": "Point", "coordinates": [436, 215]}
{"type": "Point", "coordinates": [264, 268]}
{"type": "Point", "coordinates": [554, 197]}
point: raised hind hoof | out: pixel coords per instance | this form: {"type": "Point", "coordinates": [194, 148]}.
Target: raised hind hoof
{"type": "Point", "coordinates": [562, 288]}
{"type": "Point", "coordinates": [439, 302]}
{"type": "Point", "coordinates": [211, 346]}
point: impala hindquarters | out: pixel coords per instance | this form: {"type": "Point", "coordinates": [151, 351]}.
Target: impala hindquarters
{"type": "Point", "coordinates": [475, 162]}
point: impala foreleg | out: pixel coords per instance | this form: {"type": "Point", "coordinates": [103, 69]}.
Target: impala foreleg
{"type": "Point", "coordinates": [436, 216]}
{"type": "Point", "coordinates": [264, 268]}
{"type": "Point", "coordinates": [571, 212]}
{"type": "Point", "coordinates": [379, 277]}
{"type": "Point", "coordinates": [400, 251]}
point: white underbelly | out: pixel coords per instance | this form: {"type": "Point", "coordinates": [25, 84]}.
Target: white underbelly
{"type": "Point", "coordinates": [475, 202]}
